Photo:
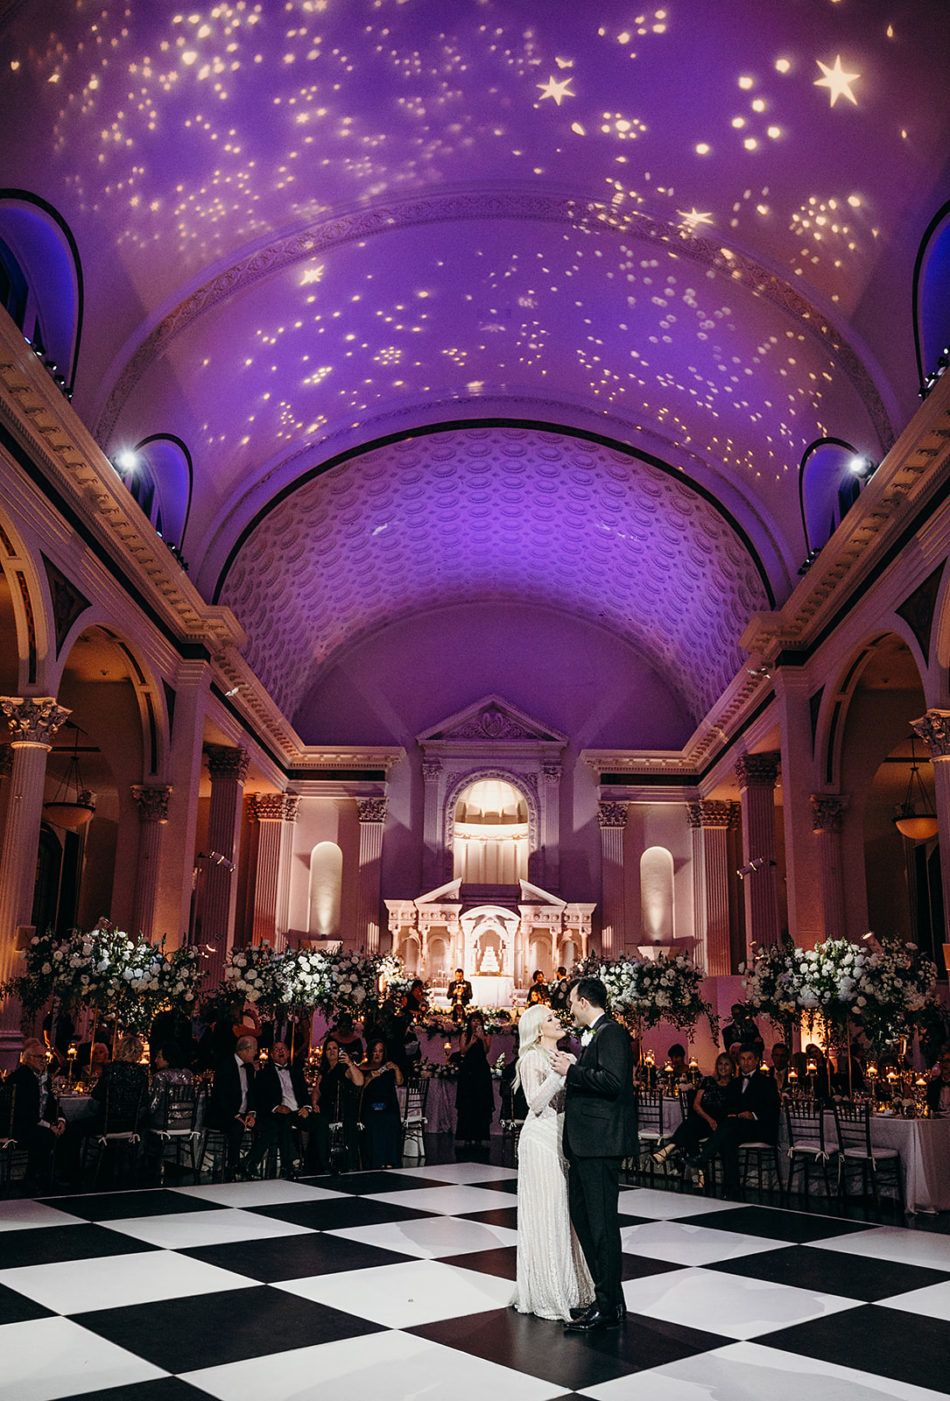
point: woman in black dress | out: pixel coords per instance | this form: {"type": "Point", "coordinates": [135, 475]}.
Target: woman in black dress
{"type": "Point", "coordinates": [706, 1111]}
{"type": "Point", "coordinates": [474, 1095]}
{"type": "Point", "coordinates": [379, 1109]}
{"type": "Point", "coordinates": [334, 1137]}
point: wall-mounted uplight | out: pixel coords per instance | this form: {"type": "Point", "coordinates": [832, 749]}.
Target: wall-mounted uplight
{"type": "Point", "coordinates": [125, 462]}
{"type": "Point", "coordinates": [862, 466]}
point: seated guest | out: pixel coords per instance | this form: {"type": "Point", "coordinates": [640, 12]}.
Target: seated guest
{"type": "Point", "coordinates": [742, 1030]}
{"type": "Point", "coordinates": [91, 1059]}
{"type": "Point", "coordinates": [29, 1113]}
{"type": "Point", "coordinates": [346, 1037]}
{"type": "Point", "coordinates": [417, 1004]}
{"type": "Point", "coordinates": [379, 1108]}
{"type": "Point", "coordinates": [281, 1103]}
{"type": "Point", "coordinates": [230, 1107]}
{"type": "Point", "coordinates": [334, 1137]}
{"type": "Point", "coordinates": [938, 1090]}
{"type": "Point", "coordinates": [780, 1061]}
{"type": "Point", "coordinates": [705, 1114]}
{"type": "Point", "coordinates": [751, 1114]}
{"type": "Point", "coordinates": [171, 1082]}
{"type": "Point", "coordinates": [676, 1056]}
{"type": "Point", "coordinates": [538, 991]}
{"type": "Point", "coordinates": [121, 1090]}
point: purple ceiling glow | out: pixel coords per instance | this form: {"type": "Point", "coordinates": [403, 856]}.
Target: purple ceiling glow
{"type": "Point", "coordinates": [689, 228]}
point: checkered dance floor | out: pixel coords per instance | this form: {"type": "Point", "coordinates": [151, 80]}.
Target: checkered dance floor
{"type": "Point", "coordinates": [393, 1285]}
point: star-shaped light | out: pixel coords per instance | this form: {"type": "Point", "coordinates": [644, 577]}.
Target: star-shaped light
{"type": "Point", "coordinates": [557, 90]}
{"type": "Point", "coordinates": [693, 219]}
{"type": "Point", "coordinates": [837, 81]}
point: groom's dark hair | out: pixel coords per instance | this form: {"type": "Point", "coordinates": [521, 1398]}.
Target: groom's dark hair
{"type": "Point", "coordinates": [592, 990]}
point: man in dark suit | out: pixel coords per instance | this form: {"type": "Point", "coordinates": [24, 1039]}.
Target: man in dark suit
{"type": "Point", "coordinates": [231, 1107]}
{"type": "Point", "coordinates": [282, 1103]}
{"type": "Point", "coordinates": [30, 1114]}
{"type": "Point", "coordinates": [460, 994]}
{"type": "Point", "coordinates": [938, 1089]}
{"type": "Point", "coordinates": [752, 1114]}
{"type": "Point", "coordinates": [600, 1130]}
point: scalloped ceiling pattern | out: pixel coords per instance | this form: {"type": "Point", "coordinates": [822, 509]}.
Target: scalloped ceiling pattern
{"type": "Point", "coordinates": [495, 514]}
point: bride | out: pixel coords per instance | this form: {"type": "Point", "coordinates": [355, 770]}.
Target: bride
{"type": "Point", "coordinates": [552, 1276]}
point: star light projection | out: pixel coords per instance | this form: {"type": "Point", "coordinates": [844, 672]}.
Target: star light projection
{"type": "Point", "coordinates": [837, 81]}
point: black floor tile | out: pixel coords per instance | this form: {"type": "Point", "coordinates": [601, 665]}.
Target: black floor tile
{"type": "Point", "coordinates": [642, 1266]}
{"type": "Point", "coordinates": [832, 1272]}
{"type": "Point", "coordinates": [181, 1335]}
{"type": "Point", "coordinates": [293, 1257]}
{"type": "Point", "coordinates": [506, 1216]}
{"type": "Point", "coordinates": [362, 1184]}
{"type": "Point", "coordinates": [341, 1214]}
{"type": "Point", "coordinates": [540, 1348]}
{"type": "Point", "coordinates": [774, 1223]}
{"type": "Point", "coordinates": [885, 1342]}
{"type": "Point", "coordinates": [500, 1262]}
{"type": "Point", "coordinates": [163, 1389]}
{"type": "Point", "coordinates": [117, 1206]}
{"type": "Point", "coordinates": [50, 1244]}
{"type": "Point", "coordinates": [15, 1307]}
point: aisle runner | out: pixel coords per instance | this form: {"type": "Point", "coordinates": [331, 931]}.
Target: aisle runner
{"type": "Point", "coordinates": [396, 1284]}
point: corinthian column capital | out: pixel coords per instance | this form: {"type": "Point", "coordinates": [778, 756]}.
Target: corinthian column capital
{"type": "Point", "coordinates": [827, 811]}
{"type": "Point", "coordinates": [757, 770]}
{"type": "Point", "coordinates": [934, 729]}
{"type": "Point", "coordinates": [371, 809]}
{"type": "Point", "coordinates": [33, 719]}
{"type": "Point", "coordinates": [225, 762]}
{"type": "Point", "coordinates": [612, 814]}
{"type": "Point", "coordinates": [152, 802]}
{"type": "Point", "coordinates": [711, 812]}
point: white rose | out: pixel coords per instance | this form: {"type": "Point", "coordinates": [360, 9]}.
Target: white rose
{"type": "Point", "coordinates": [47, 968]}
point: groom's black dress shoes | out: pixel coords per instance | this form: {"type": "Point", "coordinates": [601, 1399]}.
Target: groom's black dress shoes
{"type": "Point", "coordinates": [596, 1319]}
{"type": "Point", "coordinates": [583, 1311]}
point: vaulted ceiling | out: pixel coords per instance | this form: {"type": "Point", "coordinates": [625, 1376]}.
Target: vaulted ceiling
{"type": "Point", "coordinates": [495, 299]}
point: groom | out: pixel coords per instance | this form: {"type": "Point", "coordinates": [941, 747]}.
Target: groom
{"type": "Point", "coordinates": [600, 1130]}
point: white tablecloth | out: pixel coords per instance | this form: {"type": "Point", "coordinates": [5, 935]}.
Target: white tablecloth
{"type": "Point", "coordinates": [440, 1106]}
{"type": "Point", "coordinates": [924, 1146]}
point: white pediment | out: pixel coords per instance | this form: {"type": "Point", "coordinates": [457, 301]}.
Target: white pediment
{"type": "Point", "coordinates": [493, 720]}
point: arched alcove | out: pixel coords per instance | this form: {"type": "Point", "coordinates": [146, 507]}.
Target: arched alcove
{"type": "Point", "coordinates": [325, 890]}
{"type": "Point", "coordinates": [43, 280]}
{"type": "Point", "coordinates": [491, 838]}
{"type": "Point", "coordinates": [932, 297]}
{"type": "Point", "coordinates": [161, 482]}
{"type": "Point", "coordinates": [656, 895]}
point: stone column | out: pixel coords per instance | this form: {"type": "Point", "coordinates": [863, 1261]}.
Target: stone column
{"type": "Point", "coordinates": [612, 817]}
{"type": "Point", "coordinates": [803, 876]}
{"type": "Point", "coordinates": [216, 871]}
{"type": "Point", "coordinates": [757, 774]}
{"type": "Point", "coordinates": [372, 813]}
{"type": "Point", "coordinates": [934, 729]}
{"type": "Point", "coordinates": [152, 804]}
{"type": "Point", "coordinates": [270, 811]}
{"type": "Point", "coordinates": [432, 853]}
{"type": "Point", "coordinates": [827, 817]}
{"type": "Point", "coordinates": [6, 770]}
{"type": "Point", "coordinates": [710, 821]}
{"type": "Point", "coordinates": [551, 825]}
{"type": "Point", "coordinates": [177, 890]}
{"type": "Point", "coordinates": [33, 722]}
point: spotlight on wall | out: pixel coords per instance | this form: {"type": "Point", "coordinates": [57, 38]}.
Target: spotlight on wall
{"type": "Point", "coordinates": [862, 466]}
{"type": "Point", "coordinates": [125, 462]}
{"type": "Point", "coordinates": [216, 858]}
{"type": "Point", "coordinates": [756, 864]}
{"type": "Point", "coordinates": [763, 671]}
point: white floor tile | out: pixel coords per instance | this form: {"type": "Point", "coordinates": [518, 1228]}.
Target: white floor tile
{"type": "Point", "coordinates": [432, 1236]}
{"type": "Point", "coordinates": [931, 1302]}
{"type": "Point", "coordinates": [749, 1372]}
{"type": "Point", "coordinates": [691, 1245]}
{"type": "Point", "coordinates": [458, 1172]}
{"type": "Point", "coordinates": [383, 1366]}
{"type": "Point", "coordinates": [669, 1206]}
{"type": "Point", "coordinates": [25, 1215]}
{"type": "Point", "coordinates": [454, 1200]}
{"type": "Point", "coordinates": [269, 1192]}
{"type": "Point", "coordinates": [185, 1230]}
{"type": "Point", "coordinates": [113, 1281]}
{"type": "Point", "coordinates": [727, 1304]}
{"type": "Point", "coordinates": [50, 1357]}
{"type": "Point", "coordinates": [406, 1296]}
{"type": "Point", "coordinates": [905, 1247]}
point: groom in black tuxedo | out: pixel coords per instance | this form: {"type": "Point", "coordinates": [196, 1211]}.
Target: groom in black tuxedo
{"type": "Point", "coordinates": [600, 1130]}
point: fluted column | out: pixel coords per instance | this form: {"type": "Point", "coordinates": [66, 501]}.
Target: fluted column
{"type": "Point", "coordinates": [372, 813]}
{"type": "Point", "coordinates": [432, 827]}
{"type": "Point", "coordinates": [757, 774]}
{"type": "Point", "coordinates": [710, 821]}
{"type": "Point", "coordinates": [271, 812]}
{"type": "Point", "coordinates": [934, 729]}
{"type": "Point", "coordinates": [802, 889]}
{"type": "Point", "coordinates": [33, 722]}
{"type": "Point", "coordinates": [6, 771]}
{"type": "Point", "coordinates": [152, 804]}
{"type": "Point", "coordinates": [827, 817]}
{"type": "Point", "coordinates": [551, 825]}
{"type": "Point", "coordinates": [612, 817]}
{"type": "Point", "coordinates": [217, 872]}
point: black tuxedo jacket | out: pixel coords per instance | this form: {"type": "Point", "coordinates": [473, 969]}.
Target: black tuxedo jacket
{"type": "Point", "coordinates": [268, 1094]}
{"type": "Point", "coordinates": [933, 1094]}
{"type": "Point", "coordinates": [600, 1107]}
{"type": "Point", "coordinates": [225, 1101]}
{"type": "Point", "coordinates": [460, 994]}
{"type": "Point", "coordinates": [761, 1096]}
{"type": "Point", "coordinates": [24, 1106]}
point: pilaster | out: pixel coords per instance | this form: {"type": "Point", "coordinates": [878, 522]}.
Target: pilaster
{"type": "Point", "coordinates": [217, 885]}
{"type": "Point", "coordinates": [372, 814]}
{"type": "Point", "coordinates": [933, 728]}
{"type": "Point", "coordinates": [710, 821]}
{"type": "Point", "coordinates": [612, 818]}
{"type": "Point", "coordinates": [152, 804]}
{"type": "Point", "coordinates": [757, 774]}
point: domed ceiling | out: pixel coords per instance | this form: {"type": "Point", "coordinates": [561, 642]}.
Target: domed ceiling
{"type": "Point", "coordinates": [494, 299]}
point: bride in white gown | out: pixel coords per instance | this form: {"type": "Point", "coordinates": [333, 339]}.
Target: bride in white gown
{"type": "Point", "coordinates": [552, 1275]}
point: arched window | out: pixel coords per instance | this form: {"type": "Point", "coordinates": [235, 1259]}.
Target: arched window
{"type": "Point", "coordinates": [491, 834]}
{"type": "Point", "coordinates": [161, 483]}
{"type": "Point", "coordinates": [41, 281]}
{"type": "Point", "coordinates": [828, 486]}
{"type": "Point", "coordinates": [326, 889]}
{"type": "Point", "coordinates": [656, 895]}
{"type": "Point", "coordinates": [932, 300]}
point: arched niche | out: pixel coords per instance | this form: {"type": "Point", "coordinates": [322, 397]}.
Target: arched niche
{"type": "Point", "coordinates": [491, 834]}
{"type": "Point", "coordinates": [161, 483]}
{"type": "Point", "coordinates": [931, 291]}
{"type": "Point", "coordinates": [43, 274]}
{"type": "Point", "coordinates": [325, 892]}
{"type": "Point", "coordinates": [526, 795]}
{"type": "Point", "coordinates": [656, 895]}
{"type": "Point", "coordinates": [827, 489]}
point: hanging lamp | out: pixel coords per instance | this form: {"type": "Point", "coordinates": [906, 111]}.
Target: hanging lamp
{"type": "Point", "coordinates": [72, 805]}
{"type": "Point", "coordinates": [918, 824]}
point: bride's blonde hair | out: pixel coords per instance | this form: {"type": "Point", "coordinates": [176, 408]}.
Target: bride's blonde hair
{"type": "Point", "coordinates": [529, 1035]}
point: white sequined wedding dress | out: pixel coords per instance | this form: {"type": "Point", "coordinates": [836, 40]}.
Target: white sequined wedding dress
{"type": "Point", "coordinates": [552, 1275]}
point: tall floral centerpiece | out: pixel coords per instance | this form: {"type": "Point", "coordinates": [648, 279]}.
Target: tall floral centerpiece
{"type": "Point", "coordinates": [645, 992]}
